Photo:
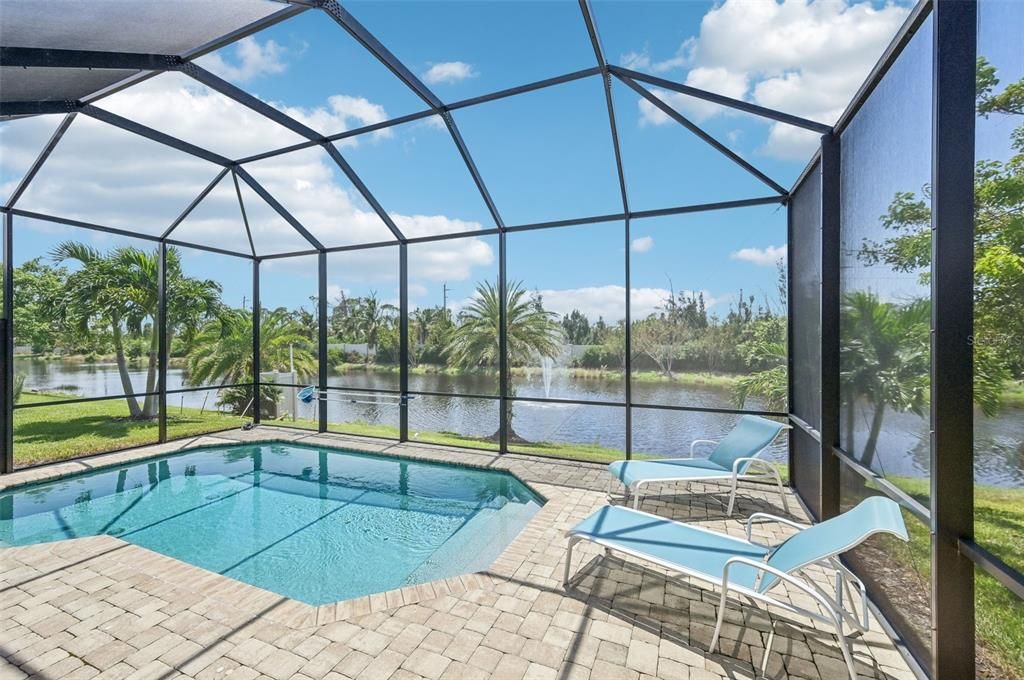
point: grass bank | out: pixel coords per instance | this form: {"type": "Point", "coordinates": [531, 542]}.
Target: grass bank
{"type": "Point", "coordinates": [685, 378]}
{"type": "Point", "coordinates": [998, 526]}
{"type": "Point", "coordinates": [51, 433]}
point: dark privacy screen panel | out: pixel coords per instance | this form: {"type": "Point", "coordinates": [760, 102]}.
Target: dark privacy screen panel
{"type": "Point", "coordinates": [805, 270]}
{"type": "Point", "coordinates": [806, 471]}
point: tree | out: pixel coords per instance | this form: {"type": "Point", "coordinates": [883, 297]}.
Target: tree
{"type": "Point", "coordinates": [118, 291]}
{"type": "Point", "coordinates": [222, 353]}
{"type": "Point", "coordinates": [662, 335]}
{"type": "Point", "coordinates": [884, 360]}
{"type": "Point", "coordinates": [998, 250]}
{"type": "Point", "coordinates": [576, 327]}
{"type": "Point", "coordinates": [765, 351]}
{"type": "Point", "coordinates": [372, 319]}
{"type": "Point", "coordinates": [37, 287]}
{"type": "Point", "coordinates": [223, 347]}
{"type": "Point", "coordinates": [531, 330]}
{"type": "Point", "coordinates": [430, 330]}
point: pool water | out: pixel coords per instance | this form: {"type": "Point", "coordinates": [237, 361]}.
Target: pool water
{"type": "Point", "coordinates": [314, 524]}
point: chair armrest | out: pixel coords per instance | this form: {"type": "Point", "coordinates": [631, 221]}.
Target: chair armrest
{"type": "Point", "coordinates": [694, 443]}
{"type": "Point", "coordinates": [768, 517]}
{"type": "Point", "coordinates": [783, 576]}
{"type": "Point", "coordinates": [740, 461]}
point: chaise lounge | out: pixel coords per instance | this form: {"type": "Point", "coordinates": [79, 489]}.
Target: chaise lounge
{"type": "Point", "coordinates": [731, 460]}
{"type": "Point", "coordinates": [744, 568]}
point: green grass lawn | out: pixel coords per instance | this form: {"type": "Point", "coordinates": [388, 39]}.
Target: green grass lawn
{"type": "Point", "coordinates": [998, 527]}
{"type": "Point", "coordinates": [63, 431]}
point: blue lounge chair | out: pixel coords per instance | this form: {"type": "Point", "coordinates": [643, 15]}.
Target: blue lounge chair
{"type": "Point", "coordinates": [734, 458]}
{"type": "Point", "coordinates": [742, 567]}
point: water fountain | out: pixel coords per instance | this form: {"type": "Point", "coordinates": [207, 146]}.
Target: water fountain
{"type": "Point", "coordinates": [547, 365]}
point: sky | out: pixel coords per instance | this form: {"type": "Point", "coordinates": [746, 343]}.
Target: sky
{"type": "Point", "coordinates": [545, 155]}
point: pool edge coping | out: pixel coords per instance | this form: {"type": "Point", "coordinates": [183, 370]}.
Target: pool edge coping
{"type": "Point", "coordinates": [298, 613]}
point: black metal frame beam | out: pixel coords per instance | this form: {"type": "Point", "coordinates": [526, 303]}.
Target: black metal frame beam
{"type": "Point", "coordinates": [195, 202]}
{"type": "Point", "coordinates": [37, 164]}
{"type": "Point", "coordinates": [117, 121]}
{"type": "Point", "coordinates": [257, 313]}
{"type": "Point", "coordinates": [606, 81]}
{"type": "Point", "coordinates": [903, 37]}
{"type": "Point", "coordinates": [344, 19]}
{"type": "Point", "coordinates": [210, 46]}
{"type": "Point", "coordinates": [403, 342]}
{"type": "Point", "coordinates": [7, 349]}
{"type": "Point", "coordinates": [321, 317]}
{"type": "Point", "coordinates": [278, 208]}
{"type": "Point", "coordinates": [954, 52]}
{"type": "Point", "coordinates": [697, 130]}
{"type": "Point", "coordinates": [504, 412]}
{"type": "Point", "coordinates": [40, 57]}
{"type": "Point", "coordinates": [162, 347]}
{"type": "Point", "coordinates": [245, 217]}
{"type": "Point", "coordinates": [262, 108]}
{"type": "Point", "coordinates": [722, 100]}
{"type": "Point", "coordinates": [831, 243]}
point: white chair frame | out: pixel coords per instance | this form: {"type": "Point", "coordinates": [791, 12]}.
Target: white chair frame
{"type": "Point", "coordinates": [834, 604]}
{"type": "Point", "coordinates": [768, 472]}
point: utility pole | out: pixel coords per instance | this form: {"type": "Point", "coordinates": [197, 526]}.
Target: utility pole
{"type": "Point", "coordinates": [444, 294]}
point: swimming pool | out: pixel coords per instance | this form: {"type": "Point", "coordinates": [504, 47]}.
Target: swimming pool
{"type": "Point", "coordinates": [314, 524]}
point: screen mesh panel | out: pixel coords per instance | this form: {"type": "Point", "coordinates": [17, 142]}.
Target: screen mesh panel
{"type": "Point", "coordinates": [125, 25]}
{"type": "Point", "coordinates": [19, 84]}
{"type": "Point", "coordinates": [806, 472]}
{"type": "Point", "coordinates": [805, 287]}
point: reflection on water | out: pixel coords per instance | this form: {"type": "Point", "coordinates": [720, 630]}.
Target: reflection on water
{"type": "Point", "coordinates": [902, 447]}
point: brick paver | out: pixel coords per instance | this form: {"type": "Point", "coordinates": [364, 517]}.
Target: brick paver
{"type": "Point", "coordinates": [101, 608]}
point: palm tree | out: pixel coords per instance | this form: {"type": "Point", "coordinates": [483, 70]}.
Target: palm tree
{"type": "Point", "coordinates": [771, 384]}
{"type": "Point", "coordinates": [530, 330]}
{"type": "Point", "coordinates": [372, 318]}
{"type": "Point", "coordinates": [119, 290]}
{"type": "Point", "coordinates": [222, 351]}
{"type": "Point", "coordinates": [885, 358]}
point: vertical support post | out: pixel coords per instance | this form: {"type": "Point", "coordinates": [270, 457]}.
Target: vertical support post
{"type": "Point", "coordinates": [627, 361]}
{"type": "Point", "coordinates": [791, 451]}
{"type": "Point", "coordinates": [504, 419]}
{"type": "Point", "coordinates": [952, 376]}
{"type": "Point", "coordinates": [403, 342]}
{"type": "Point", "coordinates": [256, 369]}
{"type": "Point", "coordinates": [7, 351]}
{"type": "Point", "coordinates": [830, 302]}
{"type": "Point", "coordinates": [321, 300]}
{"type": "Point", "coordinates": [161, 331]}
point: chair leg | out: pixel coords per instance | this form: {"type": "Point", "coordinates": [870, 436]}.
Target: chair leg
{"type": "Point", "coordinates": [782, 491]}
{"type": "Point", "coordinates": [768, 647]}
{"type": "Point", "coordinates": [568, 562]}
{"type": "Point", "coordinates": [636, 496]}
{"type": "Point", "coordinates": [732, 497]}
{"type": "Point", "coordinates": [721, 619]}
{"type": "Point", "coordinates": [844, 645]}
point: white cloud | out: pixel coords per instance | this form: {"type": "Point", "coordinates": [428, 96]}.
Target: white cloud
{"type": "Point", "coordinates": [762, 257]}
{"type": "Point", "coordinates": [451, 259]}
{"type": "Point", "coordinates": [252, 58]}
{"type": "Point", "coordinates": [806, 58]}
{"type": "Point", "coordinates": [636, 61]}
{"type": "Point", "coordinates": [101, 174]}
{"type": "Point", "coordinates": [641, 244]}
{"type": "Point", "coordinates": [609, 302]}
{"type": "Point", "coordinates": [449, 72]}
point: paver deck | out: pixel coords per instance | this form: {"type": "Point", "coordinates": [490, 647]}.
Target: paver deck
{"type": "Point", "coordinates": [99, 607]}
